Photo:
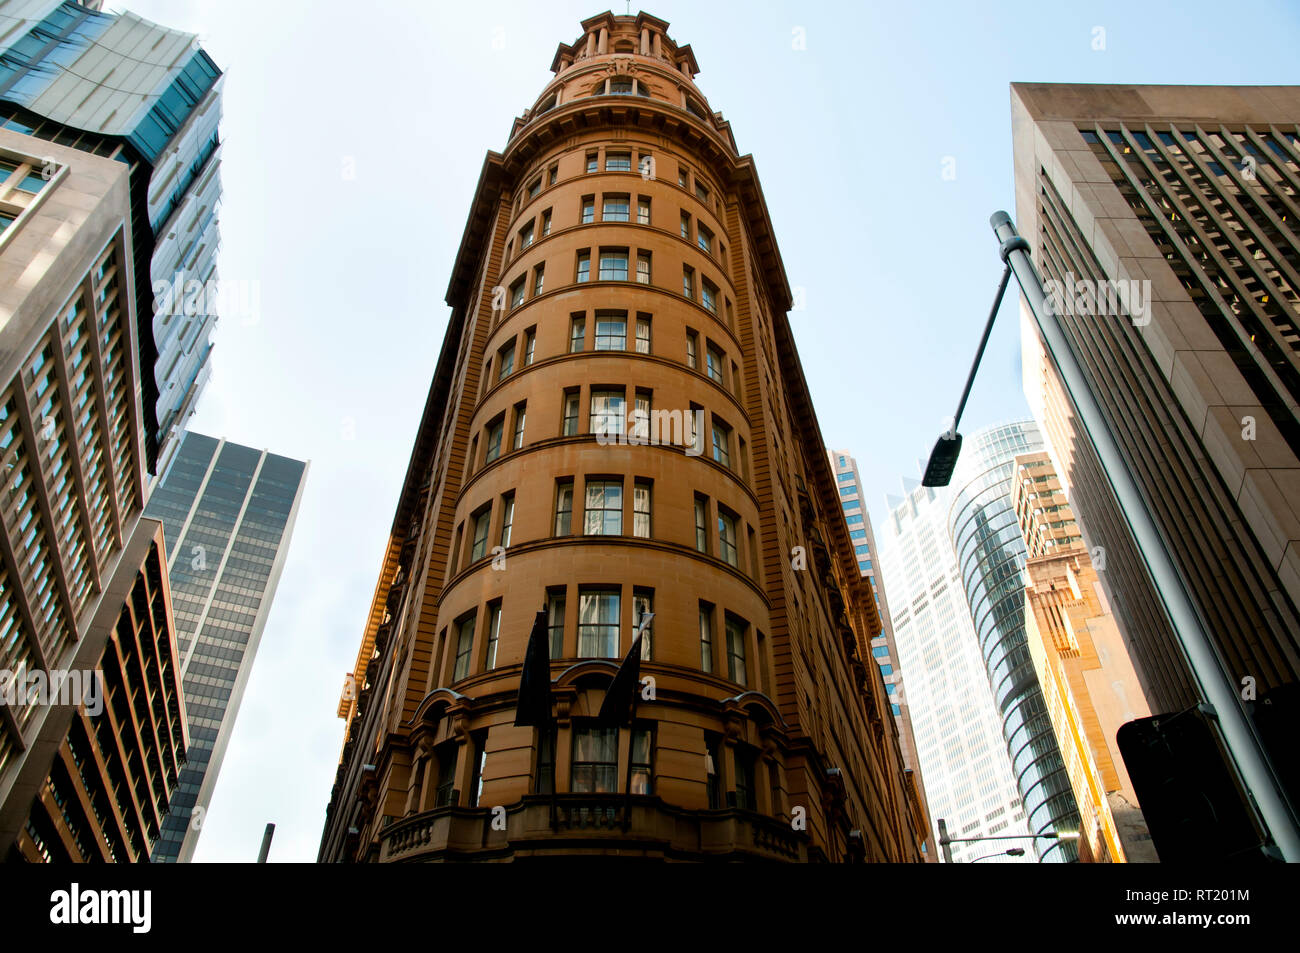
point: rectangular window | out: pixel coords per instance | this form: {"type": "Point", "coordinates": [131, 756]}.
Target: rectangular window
{"type": "Point", "coordinates": [555, 621]}
{"type": "Point", "coordinates": [643, 211]}
{"type": "Point", "coordinates": [591, 162]}
{"type": "Point", "coordinates": [618, 162]}
{"type": "Point", "coordinates": [570, 426]}
{"type": "Point", "coordinates": [727, 538]}
{"type": "Point", "coordinates": [507, 518]}
{"type": "Point", "coordinates": [464, 643]}
{"type": "Point", "coordinates": [535, 189]}
{"type": "Point", "coordinates": [481, 523]}
{"type": "Point", "coordinates": [712, 771]}
{"type": "Point", "coordinates": [493, 635]}
{"type": "Point", "coordinates": [530, 345]}
{"type": "Point", "coordinates": [525, 236]}
{"type": "Point", "coordinates": [713, 363]}
{"type": "Point", "coordinates": [546, 223]}
{"type": "Point", "coordinates": [682, 176]}
{"type": "Point", "coordinates": [702, 523]}
{"type": "Point", "coordinates": [588, 209]}
{"type": "Point", "coordinates": [643, 268]}
{"type": "Point", "coordinates": [641, 509]}
{"type": "Point", "coordinates": [643, 604]}
{"type": "Point", "coordinates": [603, 514]}
{"type": "Point", "coordinates": [563, 507]}
{"type": "Point", "coordinates": [554, 175]}
{"type": "Point", "coordinates": [577, 334]}
{"type": "Point", "coordinates": [480, 762]}
{"type": "Point", "coordinates": [494, 432]}
{"type": "Point", "coordinates": [616, 208]}
{"type": "Point", "coordinates": [620, 87]}
{"type": "Point", "coordinates": [613, 264]}
{"type": "Point", "coordinates": [745, 799]}
{"type": "Point", "coordinates": [517, 293]}
{"type": "Point", "coordinates": [506, 361]}
{"type": "Point", "coordinates": [706, 637]}
{"type": "Point", "coordinates": [446, 754]}
{"type": "Point", "coordinates": [701, 191]}
{"type": "Point", "coordinates": [521, 414]}
{"type": "Point", "coordinates": [608, 412]}
{"type": "Point", "coordinates": [641, 781]}
{"type": "Point", "coordinates": [721, 443]}
{"type": "Point", "coordinates": [688, 283]}
{"type": "Point", "coordinates": [641, 416]}
{"type": "Point", "coordinates": [546, 761]}
{"type": "Point", "coordinates": [642, 334]}
{"type": "Point", "coordinates": [595, 761]}
{"type": "Point", "coordinates": [686, 226]}
{"type": "Point", "coordinates": [584, 266]}
{"type": "Point", "coordinates": [736, 650]}
{"type": "Point", "coordinates": [692, 346]}
{"type": "Point", "coordinates": [611, 331]}
{"type": "Point", "coordinates": [539, 280]}
{"type": "Point", "coordinates": [704, 238]}
{"type": "Point", "coordinates": [598, 614]}
{"type": "Point", "coordinates": [709, 295]}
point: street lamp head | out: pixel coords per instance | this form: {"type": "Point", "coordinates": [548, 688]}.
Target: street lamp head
{"type": "Point", "coordinates": [943, 460]}
{"type": "Point", "coordinates": [1016, 852]}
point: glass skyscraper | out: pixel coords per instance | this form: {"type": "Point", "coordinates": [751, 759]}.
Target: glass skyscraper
{"type": "Point", "coordinates": [991, 558]}
{"type": "Point", "coordinates": [120, 86]}
{"type": "Point", "coordinates": [227, 513]}
{"type": "Point", "coordinates": [963, 756]}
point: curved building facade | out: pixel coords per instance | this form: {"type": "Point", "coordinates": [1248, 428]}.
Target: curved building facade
{"type": "Point", "coordinates": [991, 556]}
{"type": "Point", "coordinates": [618, 424]}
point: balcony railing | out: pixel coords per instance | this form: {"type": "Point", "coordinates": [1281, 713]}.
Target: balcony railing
{"type": "Point", "coordinates": [590, 824]}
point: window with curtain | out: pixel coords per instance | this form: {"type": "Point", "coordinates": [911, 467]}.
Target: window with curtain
{"type": "Point", "coordinates": [598, 614]}
{"type": "Point", "coordinates": [603, 513]}
{"type": "Point", "coordinates": [594, 767]}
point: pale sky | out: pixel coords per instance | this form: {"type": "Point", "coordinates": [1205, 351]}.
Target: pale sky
{"type": "Point", "coordinates": [850, 136]}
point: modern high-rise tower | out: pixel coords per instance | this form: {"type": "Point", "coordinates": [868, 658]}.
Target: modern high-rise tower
{"type": "Point", "coordinates": [963, 756]}
{"type": "Point", "coordinates": [991, 559]}
{"type": "Point", "coordinates": [81, 777]}
{"type": "Point", "coordinates": [119, 86]}
{"type": "Point", "coordinates": [228, 513]}
{"type": "Point", "coordinates": [1173, 212]}
{"type": "Point", "coordinates": [883, 648]}
{"type": "Point", "coordinates": [619, 424]}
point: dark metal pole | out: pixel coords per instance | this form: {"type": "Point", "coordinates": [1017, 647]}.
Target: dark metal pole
{"type": "Point", "coordinates": [944, 842]}
{"type": "Point", "coordinates": [979, 353]}
{"type": "Point", "coordinates": [266, 843]}
{"type": "Point", "coordinates": [1198, 648]}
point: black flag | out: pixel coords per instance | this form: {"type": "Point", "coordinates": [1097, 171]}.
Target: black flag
{"type": "Point", "coordinates": [534, 707]}
{"type": "Point", "coordinates": [616, 709]}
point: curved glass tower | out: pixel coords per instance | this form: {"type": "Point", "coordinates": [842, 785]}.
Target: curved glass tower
{"type": "Point", "coordinates": [991, 556]}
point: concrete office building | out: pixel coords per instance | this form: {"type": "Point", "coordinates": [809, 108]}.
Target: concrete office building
{"type": "Point", "coordinates": [119, 86]}
{"type": "Point", "coordinates": [618, 422]}
{"type": "Point", "coordinates": [106, 792]}
{"type": "Point", "coordinates": [883, 649]}
{"type": "Point", "coordinates": [1082, 664]}
{"type": "Point", "coordinates": [963, 756]}
{"type": "Point", "coordinates": [79, 587]}
{"type": "Point", "coordinates": [228, 513]}
{"type": "Point", "coordinates": [991, 559]}
{"type": "Point", "coordinates": [1190, 196]}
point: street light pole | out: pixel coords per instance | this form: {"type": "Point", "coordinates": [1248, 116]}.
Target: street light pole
{"type": "Point", "coordinates": [945, 840]}
{"type": "Point", "coordinates": [1199, 650]}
